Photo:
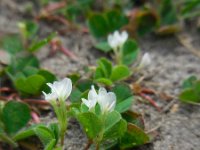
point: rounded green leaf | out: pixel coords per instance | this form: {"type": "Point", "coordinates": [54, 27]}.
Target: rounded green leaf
{"type": "Point", "coordinates": [124, 105]}
{"type": "Point", "coordinates": [91, 124]}
{"type": "Point", "coordinates": [120, 72]}
{"type": "Point", "coordinates": [44, 134]}
{"type": "Point", "coordinates": [134, 136]}
{"type": "Point", "coordinates": [106, 66]}
{"type": "Point", "coordinates": [116, 20]}
{"type": "Point", "coordinates": [122, 91]}
{"type": "Point", "coordinates": [15, 116]}
{"type": "Point", "coordinates": [111, 119]}
{"type": "Point", "coordinates": [103, 46]}
{"type": "Point", "coordinates": [12, 44]}
{"type": "Point", "coordinates": [98, 25]}
{"type": "Point", "coordinates": [116, 131]}
{"type": "Point", "coordinates": [31, 85]}
{"type": "Point", "coordinates": [130, 52]}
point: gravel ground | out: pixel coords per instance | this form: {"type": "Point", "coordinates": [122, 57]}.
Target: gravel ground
{"type": "Point", "coordinates": [178, 128]}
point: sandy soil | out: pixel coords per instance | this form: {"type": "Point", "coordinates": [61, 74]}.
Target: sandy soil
{"type": "Point", "coordinates": [178, 127]}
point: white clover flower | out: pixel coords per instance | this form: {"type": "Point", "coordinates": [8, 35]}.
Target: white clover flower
{"type": "Point", "coordinates": [106, 100]}
{"type": "Point", "coordinates": [92, 98]}
{"type": "Point", "coordinates": [116, 40]}
{"type": "Point", "coordinates": [50, 96]}
{"type": "Point", "coordinates": [146, 60]}
{"type": "Point", "coordinates": [59, 89]}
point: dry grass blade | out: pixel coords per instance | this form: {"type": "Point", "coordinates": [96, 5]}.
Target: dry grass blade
{"type": "Point", "coordinates": [186, 41]}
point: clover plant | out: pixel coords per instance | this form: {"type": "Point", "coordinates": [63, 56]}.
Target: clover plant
{"type": "Point", "coordinates": [190, 90]}
{"type": "Point", "coordinates": [23, 68]}
{"type": "Point", "coordinates": [14, 116]}
{"type": "Point", "coordinates": [102, 122]}
{"type": "Point", "coordinates": [60, 91]}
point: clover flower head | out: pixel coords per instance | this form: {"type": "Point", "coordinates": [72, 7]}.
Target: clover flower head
{"type": "Point", "coordinates": [117, 40]}
{"type": "Point", "coordinates": [106, 100]}
{"type": "Point", "coordinates": [92, 98]}
{"type": "Point", "coordinates": [59, 90]}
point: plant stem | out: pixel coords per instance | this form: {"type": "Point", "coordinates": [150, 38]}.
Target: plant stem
{"type": "Point", "coordinates": [8, 140]}
{"type": "Point", "coordinates": [97, 146]}
{"type": "Point", "coordinates": [89, 143]}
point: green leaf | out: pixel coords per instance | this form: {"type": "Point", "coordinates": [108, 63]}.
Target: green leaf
{"type": "Point", "coordinates": [167, 13]}
{"type": "Point", "coordinates": [50, 145]}
{"type": "Point", "coordinates": [116, 20]}
{"type": "Point", "coordinates": [189, 96]}
{"type": "Point", "coordinates": [111, 119]}
{"type": "Point", "coordinates": [28, 71]}
{"type": "Point", "coordinates": [75, 77]}
{"type": "Point", "coordinates": [134, 118]}
{"type": "Point", "coordinates": [15, 116]}
{"type": "Point", "coordinates": [98, 25]}
{"type": "Point", "coordinates": [122, 91]}
{"type": "Point", "coordinates": [12, 44]}
{"type": "Point", "coordinates": [55, 130]}
{"type": "Point", "coordinates": [75, 95]}
{"type": "Point", "coordinates": [106, 66]}
{"type": "Point", "coordinates": [101, 25]}
{"type": "Point", "coordinates": [124, 105]}
{"type": "Point", "coordinates": [130, 52]}
{"type": "Point", "coordinates": [103, 46]}
{"type": "Point", "coordinates": [84, 85]}
{"type": "Point", "coordinates": [39, 44]}
{"type": "Point", "coordinates": [133, 137]}
{"type": "Point", "coordinates": [91, 124]}
{"type": "Point", "coordinates": [44, 134]}
{"type": "Point", "coordinates": [189, 82]}
{"type": "Point", "coordinates": [116, 131]}
{"type": "Point", "coordinates": [120, 72]}
{"type": "Point", "coordinates": [31, 29]}
{"type": "Point", "coordinates": [31, 85]}
{"type": "Point", "coordinates": [104, 81]}
{"type": "Point", "coordinates": [190, 8]}
{"type": "Point", "coordinates": [21, 66]}
{"type": "Point", "coordinates": [24, 134]}
{"type": "Point", "coordinates": [49, 78]}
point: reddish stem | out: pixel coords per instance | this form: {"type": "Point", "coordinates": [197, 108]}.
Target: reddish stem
{"type": "Point", "coordinates": [147, 91]}
{"type": "Point", "coordinates": [54, 6]}
{"type": "Point", "coordinates": [89, 143]}
{"type": "Point", "coordinates": [35, 117]}
{"type": "Point", "coordinates": [5, 89]}
{"type": "Point", "coordinates": [68, 53]}
{"type": "Point", "coordinates": [151, 101]}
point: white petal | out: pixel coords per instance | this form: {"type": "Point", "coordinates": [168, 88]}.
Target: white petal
{"type": "Point", "coordinates": [50, 96]}
{"type": "Point", "coordinates": [92, 93]}
{"type": "Point", "coordinates": [112, 106]}
{"type": "Point", "coordinates": [124, 37]}
{"type": "Point", "coordinates": [62, 88]}
{"type": "Point", "coordinates": [112, 42]}
{"type": "Point", "coordinates": [116, 39]}
{"type": "Point", "coordinates": [146, 60]}
{"type": "Point", "coordinates": [86, 102]}
{"type": "Point", "coordinates": [102, 91]}
{"type": "Point", "coordinates": [66, 88]}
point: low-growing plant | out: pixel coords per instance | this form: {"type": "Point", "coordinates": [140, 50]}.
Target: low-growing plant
{"type": "Point", "coordinates": [23, 68]}
{"type": "Point", "coordinates": [60, 91]}
{"type": "Point", "coordinates": [102, 122]}
{"type": "Point", "coordinates": [14, 116]}
{"type": "Point", "coordinates": [190, 90]}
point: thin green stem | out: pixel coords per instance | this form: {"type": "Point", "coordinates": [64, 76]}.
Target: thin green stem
{"type": "Point", "coordinates": [8, 140]}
